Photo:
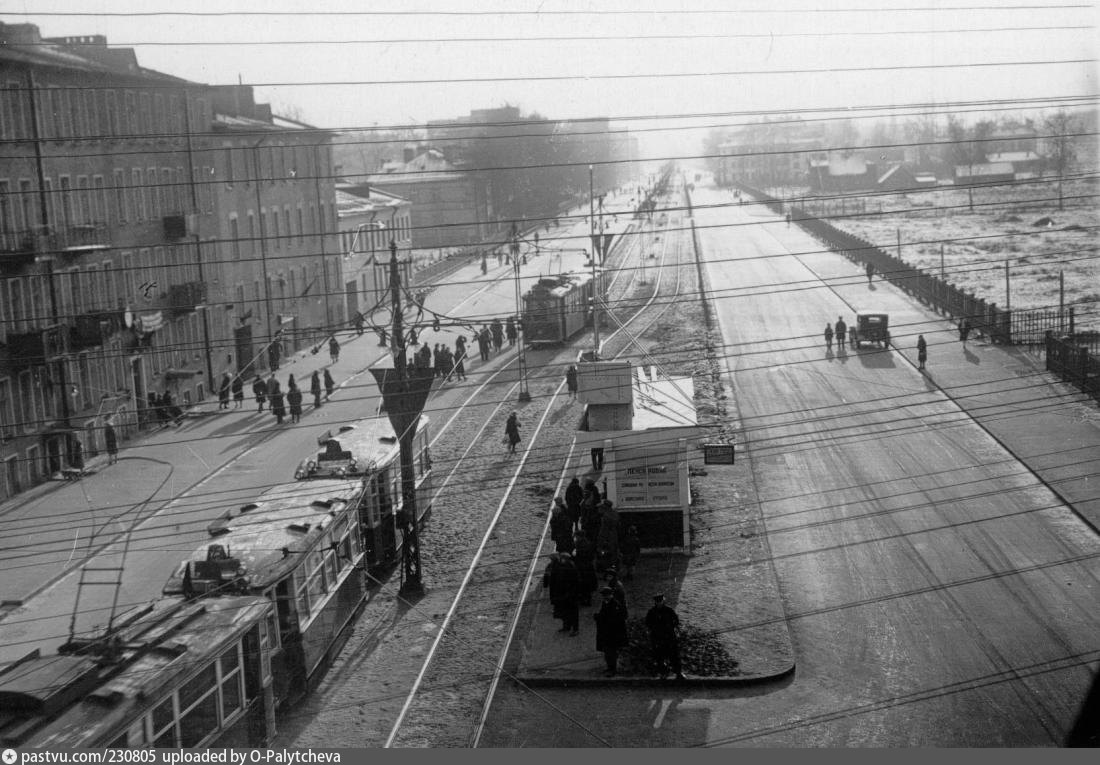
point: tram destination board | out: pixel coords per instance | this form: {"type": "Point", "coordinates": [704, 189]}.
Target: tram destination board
{"type": "Point", "coordinates": [717, 454]}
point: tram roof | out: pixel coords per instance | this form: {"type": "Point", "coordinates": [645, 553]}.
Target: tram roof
{"type": "Point", "coordinates": [371, 441]}
{"type": "Point", "coordinates": [87, 700]}
{"type": "Point", "coordinates": [563, 284]}
{"type": "Point", "coordinates": [269, 535]}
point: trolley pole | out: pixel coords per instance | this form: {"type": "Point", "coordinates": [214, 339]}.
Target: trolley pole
{"type": "Point", "coordinates": [404, 392]}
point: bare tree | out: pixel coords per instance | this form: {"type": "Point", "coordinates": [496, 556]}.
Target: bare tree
{"type": "Point", "coordinates": [1061, 130]}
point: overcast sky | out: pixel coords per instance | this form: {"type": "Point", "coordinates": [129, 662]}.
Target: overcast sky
{"type": "Point", "coordinates": [801, 55]}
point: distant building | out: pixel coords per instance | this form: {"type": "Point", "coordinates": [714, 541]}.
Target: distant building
{"type": "Point", "coordinates": [449, 207]}
{"type": "Point", "coordinates": [984, 172]}
{"type": "Point", "coordinates": [369, 220]}
{"type": "Point", "coordinates": [842, 172]}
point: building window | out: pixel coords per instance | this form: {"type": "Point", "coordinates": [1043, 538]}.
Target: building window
{"type": "Point", "coordinates": [151, 193]}
{"type": "Point", "coordinates": [120, 195]}
{"type": "Point", "coordinates": [275, 226]}
{"type": "Point", "coordinates": [235, 236]}
{"type": "Point", "coordinates": [137, 177]}
{"type": "Point", "coordinates": [251, 233]}
{"type": "Point", "coordinates": [7, 411]}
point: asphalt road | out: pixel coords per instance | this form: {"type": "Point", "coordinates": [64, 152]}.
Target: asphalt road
{"type": "Point", "coordinates": [937, 594]}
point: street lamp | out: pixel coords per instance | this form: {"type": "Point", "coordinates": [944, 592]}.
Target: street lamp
{"type": "Point", "coordinates": [272, 361]}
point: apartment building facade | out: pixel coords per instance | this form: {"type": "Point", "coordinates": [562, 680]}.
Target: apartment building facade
{"type": "Point", "coordinates": [116, 250]}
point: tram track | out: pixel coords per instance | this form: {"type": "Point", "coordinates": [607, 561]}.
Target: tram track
{"type": "Point", "coordinates": [453, 691]}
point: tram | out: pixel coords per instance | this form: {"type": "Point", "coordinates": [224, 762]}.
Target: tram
{"type": "Point", "coordinates": [368, 449]}
{"type": "Point", "coordinates": [558, 307]}
{"type": "Point", "coordinates": [175, 673]}
{"type": "Point", "coordinates": [246, 624]}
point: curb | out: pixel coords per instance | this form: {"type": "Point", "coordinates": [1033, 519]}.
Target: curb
{"type": "Point", "coordinates": [725, 681]}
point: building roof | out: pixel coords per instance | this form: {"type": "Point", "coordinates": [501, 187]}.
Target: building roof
{"type": "Point", "coordinates": [359, 200]}
{"type": "Point", "coordinates": [661, 401]}
{"type": "Point", "coordinates": [984, 169]}
{"type": "Point", "coordinates": [1013, 156]}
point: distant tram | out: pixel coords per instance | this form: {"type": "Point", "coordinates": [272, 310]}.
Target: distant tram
{"type": "Point", "coordinates": [558, 307]}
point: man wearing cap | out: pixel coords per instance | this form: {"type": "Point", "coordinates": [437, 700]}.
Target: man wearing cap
{"type": "Point", "coordinates": [610, 629]}
{"type": "Point", "coordinates": [662, 623]}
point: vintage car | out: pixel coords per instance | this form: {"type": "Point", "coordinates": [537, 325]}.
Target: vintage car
{"type": "Point", "coordinates": [871, 328]}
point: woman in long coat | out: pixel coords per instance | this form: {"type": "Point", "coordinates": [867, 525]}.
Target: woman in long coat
{"type": "Point", "coordinates": [294, 399]}
{"type": "Point", "coordinates": [511, 432]}
{"type": "Point", "coordinates": [223, 391]}
{"type": "Point", "coordinates": [611, 633]}
{"type": "Point", "coordinates": [238, 392]}
{"type": "Point", "coordinates": [315, 388]}
{"type": "Point", "coordinates": [330, 384]}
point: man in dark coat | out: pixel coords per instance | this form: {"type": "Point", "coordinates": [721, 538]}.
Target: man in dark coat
{"type": "Point", "coordinates": [333, 349]}
{"type": "Point", "coordinates": [561, 527]}
{"type": "Point", "coordinates": [238, 392]}
{"type": "Point", "coordinates": [511, 432]}
{"type": "Point", "coordinates": [662, 623]}
{"type": "Point", "coordinates": [574, 494]}
{"type": "Point", "coordinates": [110, 438]}
{"type": "Point", "coordinates": [484, 341]}
{"type": "Point", "coordinates": [497, 330]}
{"type": "Point", "coordinates": [841, 332]}
{"type": "Point", "coordinates": [571, 380]}
{"type": "Point", "coordinates": [278, 404]}
{"type": "Point", "coordinates": [259, 390]}
{"type": "Point", "coordinates": [315, 388]}
{"type": "Point", "coordinates": [294, 400]}
{"type": "Point", "coordinates": [510, 331]}
{"type": "Point", "coordinates": [610, 629]}
{"type": "Point", "coordinates": [585, 559]}
{"type": "Point", "coordinates": [223, 391]}
{"type": "Point", "coordinates": [330, 384]}
{"type": "Point", "coordinates": [561, 580]}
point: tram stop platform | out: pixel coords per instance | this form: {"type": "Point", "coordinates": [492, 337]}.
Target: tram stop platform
{"type": "Point", "coordinates": [733, 629]}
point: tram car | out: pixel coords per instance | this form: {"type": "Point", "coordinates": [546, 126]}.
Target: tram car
{"type": "Point", "coordinates": [558, 307]}
{"type": "Point", "coordinates": [174, 673]}
{"type": "Point", "coordinates": [368, 450]}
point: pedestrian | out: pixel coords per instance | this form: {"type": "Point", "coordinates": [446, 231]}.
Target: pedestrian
{"type": "Point", "coordinates": [425, 356]}
{"type": "Point", "coordinates": [291, 383]}
{"type": "Point", "coordinates": [841, 332]}
{"type": "Point", "coordinates": [330, 384]}
{"type": "Point", "coordinates": [359, 321]}
{"type": "Point", "coordinates": [484, 265]}
{"type": "Point", "coordinates": [561, 528]}
{"type": "Point", "coordinates": [437, 361]}
{"type": "Point", "coordinates": [828, 337]}
{"type": "Point", "coordinates": [922, 351]}
{"type": "Point", "coordinates": [870, 272]}
{"type": "Point", "coordinates": [259, 390]}
{"type": "Point", "coordinates": [562, 582]}
{"type": "Point", "coordinates": [788, 218]}
{"type": "Point", "coordinates": [584, 557]}
{"type": "Point", "coordinates": [315, 388]}
{"type": "Point", "coordinates": [510, 331]}
{"type": "Point", "coordinates": [278, 404]}
{"type": "Point", "coordinates": [497, 330]}
{"type": "Point", "coordinates": [611, 579]}
{"type": "Point", "coordinates": [571, 380]}
{"type": "Point", "coordinates": [460, 359]}
{"type": "Point", "coordinates": [448, 363]}
{"type": "Point", "coordinates": [238, 392]}
{"type": "Point", "coordinates": [573, 496]}
{"type": "Point", "coordinates": [511, 432]}
{"type": "Point", "coordinates": [76, 454]}
{"type": "Point", "coordinates": [110, 438]}
{"type": "Point", "coordinates": [662, 623]}
{"type": "Point", "coordinates": [294, 400]}
{"type": "Point", "coordinates": [630, 549]}
{"type": "Point", "coordinates": [333, 349]}
{"type": "Point", "coordinates": [964, 330]}
{"type": "Point", "coordinates": [224, 389]}
{"type": "Point", "coordinates": [590, 510]}
{"type": "Point", "coordinates": [607, 538]}
{"type": "Point", "coordinates": [273, 390]}
{"type": "Point", "coordinates": [172, 413]}
{"type": "Point", "coordinates": [484, 342]}
{"type": "Point", "coordinates": [611, 633]}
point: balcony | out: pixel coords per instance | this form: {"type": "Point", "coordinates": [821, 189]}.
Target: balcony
{"type": "Point", "coordinates": [92, 329]}
{"type": "Point", "coordinates": [17, 250]}
{"type": "Point", "coordinates": [186, 297]}
{"type": "Point", "coordinates": [77, 238]}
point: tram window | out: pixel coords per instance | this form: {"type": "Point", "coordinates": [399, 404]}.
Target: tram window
{"type": "Point", "coordinates": [197, 686]}
{"type": "Point", "coordinates": [283, 605]}
{"type": "Point", "coordinates": [200, 721]}
{"type": "Point", "coordinates": [164, 724]}
{"type": "Point", "coordinates": [230, 660]}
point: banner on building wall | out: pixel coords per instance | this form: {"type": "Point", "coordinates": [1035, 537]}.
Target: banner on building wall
{"type": "Point", "coordinates": [645, 478]}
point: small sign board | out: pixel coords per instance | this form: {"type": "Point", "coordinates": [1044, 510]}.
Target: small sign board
{"type": "Point", "coordinates": [717, 454]}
